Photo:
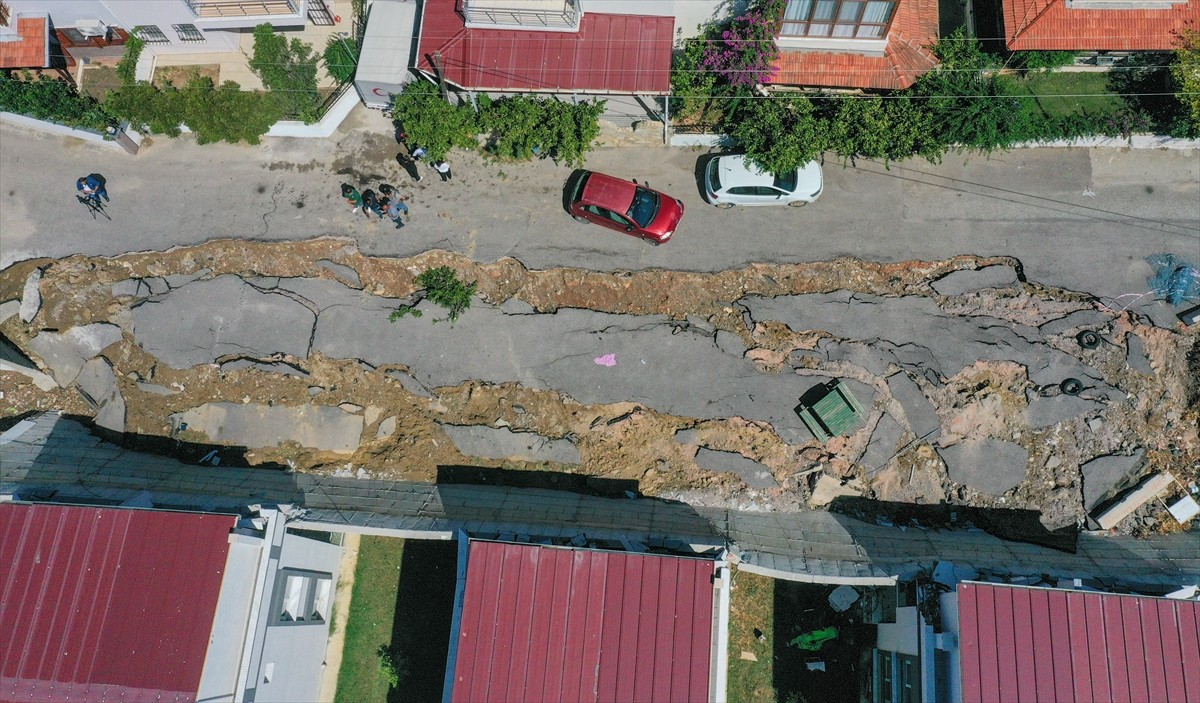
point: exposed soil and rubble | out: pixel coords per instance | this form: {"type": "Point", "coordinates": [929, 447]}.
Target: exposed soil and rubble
{"type": "Point", "coordinates": [336, 400]}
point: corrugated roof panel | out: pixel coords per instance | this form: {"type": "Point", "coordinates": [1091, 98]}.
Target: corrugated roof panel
{"type": "Point", "coordinates": [609, 53]}
{"type": "Point", "coordinates": [589, 626]}
{"type": "Point", "coordinates": [1075, 645]}
{"type": "Point", "coordinates": [106, 602]}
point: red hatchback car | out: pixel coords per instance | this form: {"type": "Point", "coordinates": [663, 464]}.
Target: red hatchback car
{"type": "Point", "coordinates": [624, 206]}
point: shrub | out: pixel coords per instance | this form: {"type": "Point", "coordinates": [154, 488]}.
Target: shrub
{"type": "Point", "coordinates": [341, 58]}
{"type": "Point", "coordinates": [225, 113]}
{"type": "Point", "coordinates": [289, 69]}
{"type": "Point", "coordinates": [432, 122]}
{"type": "Point", "coordinates": [745, 53]}
{"type": "Point", "coordinates": [53, 100]}
{"type": "Point", "coordinates": [1042, 60]}
{"type": "Point", "coordinates": [442, 287]}
{"type": "Point", "coordinates": [228, 113]}
{"type": "Point", "coordinates": [879, 128]}
{"type": "Point", "coordinates": [392, 665]}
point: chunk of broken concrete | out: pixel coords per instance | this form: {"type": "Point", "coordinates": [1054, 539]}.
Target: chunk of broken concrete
{"type": "Point", "coordinates": [1135, 355]}
{"type": "Point", "coordinates": [1046, 411]}
{"type": "Point", "coordinates": [516, 306]}
{"type": "Point", "coordinates": [1103, 473]}
{"type": "Point", "coordinates": [97, 384]}
{"type": "Point", "coordinates": [502, 443]}
{"type": "Point", "coordinates": [688, 436]}
{"type": "Point", "coordinates": [918, 411]}
{"type": "Point", "coordinates": [13, 360]}
{"type": "Point", "coordinates": [8, 309]}
{"type": "Point", "coordinates": [755, 475]}
{"type": "Point", "coordinates": [730, 343]}
{"type": "Point", "coordinates": [155, 388]}
{"type": "Point", "coordinates": [351, 407]}
{"type": "Point", "coordinates": [31, 296]}
{"type": "Point", "coordinates": [830, 487]}
{"type": "Point", "coordinates": [255, 425]}
{"type": "Point", "coordinates": [959, 282]}
{"type": "Point", "coordinates": [64, 353]}
{"type": "Point", "coordinates": [345, 273]}
{"type": "Point", "coordinates": [885, 441]}
{"type": "Point", "coordinates": [991, 466]}
{"type": "Point", "coordinates": [386, 428]}
{"type": "Point", "coordinates": [206, 320]}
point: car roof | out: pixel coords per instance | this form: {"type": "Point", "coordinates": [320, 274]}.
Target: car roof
{"type": "Point", "coordinates": [608, 192]}
{"type": "Point", "coordinates": [736, 169]}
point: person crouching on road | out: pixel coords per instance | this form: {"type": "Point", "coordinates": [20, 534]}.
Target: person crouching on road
{"type": "Point", "coordinates": [353, 199]}
{"type": "Point", "coordinates": [92, 186]}
{"type": "Point", "coordinates": [371, 203]}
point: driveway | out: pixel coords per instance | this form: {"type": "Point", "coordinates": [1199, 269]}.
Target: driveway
{"type": "Point", "coordinates": [1083, 219]}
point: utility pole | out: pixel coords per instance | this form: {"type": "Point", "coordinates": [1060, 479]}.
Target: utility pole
{"type": "Point", "coordinates": [441, 76]}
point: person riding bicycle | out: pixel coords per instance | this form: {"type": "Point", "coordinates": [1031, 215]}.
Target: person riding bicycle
{"type": "Point", "coordinates": [92, 186]}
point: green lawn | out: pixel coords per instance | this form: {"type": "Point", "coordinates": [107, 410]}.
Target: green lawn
{"type": "Point", "coordinates": [369, 625]}
{"type": "Point", "coordinates": [1064, 93]}
{"type": "Point", "coordinates": [752, 605]}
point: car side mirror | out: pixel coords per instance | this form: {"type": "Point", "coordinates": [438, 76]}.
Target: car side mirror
{"type": "Point", "coordinates": [629, 228]}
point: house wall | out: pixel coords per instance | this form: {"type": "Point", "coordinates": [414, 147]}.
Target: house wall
{"type": "Point", "coordinates": [901, 636]}
{"type": "Point", "coordinates": [687, 13]}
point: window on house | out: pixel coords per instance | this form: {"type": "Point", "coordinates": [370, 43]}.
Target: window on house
{"type": "Point", "coordinates": [844, 19]}
{"type": "Point", "coordinates": [188, 32]}
{"type": "Point", "coordinates": [303, 597]}
{"type": "Point", "coordinates": [151, 34]}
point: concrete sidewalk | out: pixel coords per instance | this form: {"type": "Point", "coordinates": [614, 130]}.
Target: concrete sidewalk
{"type": "Point", "coordinates": [1078, 218]}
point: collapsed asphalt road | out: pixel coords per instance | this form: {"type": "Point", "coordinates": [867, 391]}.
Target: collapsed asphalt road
{"type": "Point", "coordinates": [682, 382]}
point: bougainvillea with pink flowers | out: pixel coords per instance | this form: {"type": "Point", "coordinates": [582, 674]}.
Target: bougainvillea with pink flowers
{"type": "Point", "coordinates": [745, 54]}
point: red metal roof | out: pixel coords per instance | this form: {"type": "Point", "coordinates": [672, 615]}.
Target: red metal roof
{"type": "Point", "coordinates": [106, 603]}
{"type": "Point", "coordinates": [32, 49]}
{"type": "Point", "coordinates": [551, 623]}
{"type": "Point", "coordinates": [609, 53]}
{"type": "Point", "coordinates": [1052, 26]}
{"type": "Point", "coordinates": [905, 58]}
{"type": "Point", "coordinates": [1051, 645]}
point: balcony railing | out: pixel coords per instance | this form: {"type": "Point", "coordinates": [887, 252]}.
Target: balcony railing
{"type": "Point", "coordinates": [241, 8]}
{"type": "Point", "coordinates": [527, 14]}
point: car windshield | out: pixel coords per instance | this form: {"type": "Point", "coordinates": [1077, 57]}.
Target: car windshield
{"type": "Point", "coordinates": [786, 183]}
{"type": "Point", "coordinates": [714, 176]}
{"type": "Point", "coordinates": [644, 207]}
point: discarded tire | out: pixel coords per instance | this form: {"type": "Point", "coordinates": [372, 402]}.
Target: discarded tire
{"type": "Point", "coordinates": [1088, 339]}
{"type": "Point", "coordinates": [1071, 386]}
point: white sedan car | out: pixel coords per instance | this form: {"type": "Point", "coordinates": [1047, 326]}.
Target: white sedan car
{"type": "Point", "coordinates": [732, 180]}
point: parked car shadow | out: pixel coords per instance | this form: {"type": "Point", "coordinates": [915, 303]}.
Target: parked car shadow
{"type": "Point", "coordinates": [701, 167]}
{"type": "Point", "coordinates": [569, 188]}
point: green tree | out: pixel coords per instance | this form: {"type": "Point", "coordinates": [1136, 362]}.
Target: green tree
{"type": "Point", "coordinates": [432, 122]}
{"type": "Point", "coordinates": [147, 108]}
{"type": "Point", "coordinates": [288, 69]}
{"type": "Point", "coordinates": [341, 58]}
{"type": "Point", "coordinates": [779, 133]}
{"type": "Point", "coordinates": [969, 105]}
{"type": "Point", "coordinates": [1186, 72]}
{"type": "Point", "coordinates": [692, 86]}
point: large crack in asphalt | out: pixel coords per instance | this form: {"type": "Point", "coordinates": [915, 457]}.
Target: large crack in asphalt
{"type": "Point", "coordinates": [618, 364]}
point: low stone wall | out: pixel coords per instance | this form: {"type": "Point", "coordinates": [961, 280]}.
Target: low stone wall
{"type": "Point", "coordinates": [1137, 141]}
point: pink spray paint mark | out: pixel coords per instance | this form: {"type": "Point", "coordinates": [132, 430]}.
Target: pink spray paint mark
{"type": "Point", "coordinates": [607, 360]}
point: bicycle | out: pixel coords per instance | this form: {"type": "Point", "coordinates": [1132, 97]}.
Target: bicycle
{"type": "Point", "coordinates": [94, 206]}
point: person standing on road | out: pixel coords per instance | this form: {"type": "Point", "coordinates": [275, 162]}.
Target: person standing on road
{"type": "Point", "coordinates": [371, 203]}
{"type": "Point", "coordinates": [409, 165]}
{"type": "Point", "coordinates": [443, 169]}
{"type": "Point", "coordinates": [396, 210]}
{"type": "Point", "coordinates": [350, 193]}
{"type": "Point", "coordinates": [93, 186]}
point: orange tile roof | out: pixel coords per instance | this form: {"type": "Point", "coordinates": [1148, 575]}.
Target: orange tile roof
{"type": "Point", "coordinates": [32, 49]}
{"type": "Point", "coordinates": [914, 27]}
{"type": "Point", "coordinates": [1051, 25]}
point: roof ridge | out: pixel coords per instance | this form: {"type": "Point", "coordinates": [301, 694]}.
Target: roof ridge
{"type": "Point", "coordinates": [1023, 25]}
